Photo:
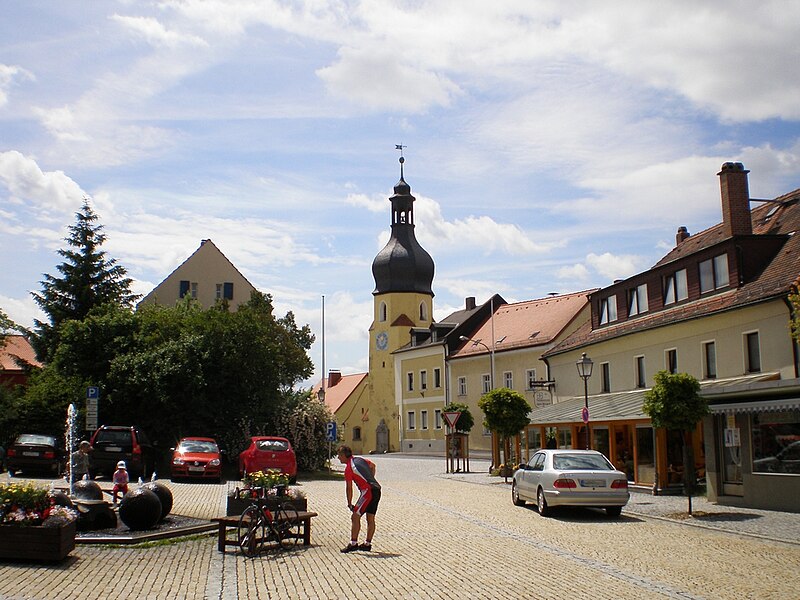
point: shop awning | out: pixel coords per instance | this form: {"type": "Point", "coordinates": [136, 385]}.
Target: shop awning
{"type": "Point", "coordinates": [756, 406]}
{"type": "Point", "coordinates": [621, 406]}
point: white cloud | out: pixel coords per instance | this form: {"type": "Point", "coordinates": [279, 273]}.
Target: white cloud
{"type": "Point", "coordinates": [156, 34]}
{"type": "Point", "coordinates": [8, 73]}
{"type": "Point", "coordinates": [614, 267]}
{"type": "Point", "coordinates": [578, 273]}
{"type": "Point", "coordinates": [44, 191]}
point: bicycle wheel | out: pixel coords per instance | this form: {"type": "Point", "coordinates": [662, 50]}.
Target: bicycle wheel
{"type": "Point", "coordinates": [251, 531]}
{"type": "Point", "coordinates": [287, 523]}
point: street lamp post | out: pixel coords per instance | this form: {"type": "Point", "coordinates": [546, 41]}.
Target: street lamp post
{"type": "Point", "coordinates": [585, 365]}
{"type": "Point", "coordinates": [464, 338]}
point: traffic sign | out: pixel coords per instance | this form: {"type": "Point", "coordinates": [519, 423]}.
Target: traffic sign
{"type": "Point", "coordinates": [452, 418]}
{"type": "Point", "coordinates": [585, 414]}
{"type": "Point", "coordinates": [93, 392]}
{"type": "Point", "coordinates": [330, 431]}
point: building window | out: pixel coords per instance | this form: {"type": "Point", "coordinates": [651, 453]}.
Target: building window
{"type": "Point", "coordinates": [382, 312]}
{"type": "Point", "coordinates": [710, 360]}
{"type": "Point", "coordinates": [753, 353]}
{"type": "Point", "coordinates": [423, 311]}
{"type": "Point", "coordinates": [605, 373]}
{"type": "Point", "coordinates": [671, 360]}
{"type": "Point", "coordinates": [437, 419]}
{"type": "Point", "coordinates": [675, 287]}
{"type": "Point", "coordinates": [462, 386]}
{"type": "Point", "coordinates": [487, 383]}
{"type": "Point", "coordinates": [437, 378]}
{"type": "Point", "coordinates": [608, 310]}
{"type": "Point", "coordinates": [194, 290]}
{"type": "Point", "coordinates": [412, 420]}
{"type": "Point", "coordinates": [219, 292]}
{"type": "Point", "coordinates": [183, 289]}
{"type": "Point", "coordinates": [508, 380]}
{"type": "Point", "coordinates": [410, 382]}
{"type": "Point", "coordinates": [356, 434]}
{"type": "Point", "coordinates": [641, 379]}
{"type": "Point", "coordinates": [637, 301]}
{"type": "Point", "coordinates": [714, 273]}
{"type": "Point", "coordinates": [530, 376]}
{"type": "Point", "coordinates": [227, 290]}
{"type": "Point", "coordinates": [423, 380]}
{"type": "Point", "coordinates": [423, 418]}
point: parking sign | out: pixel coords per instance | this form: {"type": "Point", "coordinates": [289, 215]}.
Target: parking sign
{"type": "Point", "coordinates": [330, 431]}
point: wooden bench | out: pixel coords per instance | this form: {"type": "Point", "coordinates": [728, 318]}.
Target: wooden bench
{"type": "Point", "coordinates": [304, 517]}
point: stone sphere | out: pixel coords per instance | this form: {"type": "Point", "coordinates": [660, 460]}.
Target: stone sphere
{"type": "Point", "coordinates": [62, 499]}
{"type": "Point", "coordinates": [86, 489]}
{"type": "Point", "coordinates": [140, 509]}
{"type": "Point", "coordinates": [164, 494]}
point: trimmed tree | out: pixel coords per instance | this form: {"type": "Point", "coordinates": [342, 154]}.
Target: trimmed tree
{"type": "Point", "coordinates": [674, 402]}
{"type": "Point", "coordinates": [506, 414]}
{"type": "Point", "coordinates": [465, 422]}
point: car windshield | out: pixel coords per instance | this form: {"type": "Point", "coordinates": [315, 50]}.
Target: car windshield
{"type": "Point", "coordinates": [581, 462]}
{"type": "Point", "coordinates": [38, 440]}
{"type": "Point", "coordinates": [272, 445]}
{"type": "Point", "coordinates": [197, 446]}
{"type": "Point", "coordinates": [113, 437]}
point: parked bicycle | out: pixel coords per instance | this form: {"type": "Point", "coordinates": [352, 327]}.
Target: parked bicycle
{"type": "Point", "coordinates": [261, 527]}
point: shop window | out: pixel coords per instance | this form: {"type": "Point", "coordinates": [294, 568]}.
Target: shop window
{"type": "Point", "coordinates": [776, 442]}
{"type": "Point", "coordinates": [564, 437]}
{"type": "Point", "coordinates": [753, 352]}
{"type": "Point", "coordinates": [710, 360]}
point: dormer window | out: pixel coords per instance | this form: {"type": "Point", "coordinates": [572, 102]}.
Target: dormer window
{"type": "Point", "coordinates": [637, 300]}
{"type": "Point", "coordinates": [608, 310]}
{"type": "Point", "coordinates": [675, 287]}
{"type": "Point", "coordinates": [714, 274]}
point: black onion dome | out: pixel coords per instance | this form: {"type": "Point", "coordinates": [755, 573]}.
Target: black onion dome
{"type": "Point", "coordinates": [403, 265]}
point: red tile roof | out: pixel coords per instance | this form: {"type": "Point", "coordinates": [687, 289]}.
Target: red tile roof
{"type": "Point", "coordinates": [16, 346]}
{"type": "Point", "coordinates": [337, 394]}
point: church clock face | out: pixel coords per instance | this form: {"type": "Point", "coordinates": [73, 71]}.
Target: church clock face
{"type": "Point", "coordinates": [381, 340]}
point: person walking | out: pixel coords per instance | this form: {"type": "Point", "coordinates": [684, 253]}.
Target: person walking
{"type": "Point", "coordinates": [361, 472]}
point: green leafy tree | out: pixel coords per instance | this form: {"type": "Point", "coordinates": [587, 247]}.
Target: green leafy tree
{"type": "Point", "coordinates": [506, 414]}
{"type": "Point", "coordinates": [87, 279]}
{"type": "Point", "coordinates": [794, 301]}
{"type": "Point", "coordinates": [303, 422]}
{"type": "Point", "coordinates": [465, 422]}
{"type": "Point", "coordinates": [674, 402]}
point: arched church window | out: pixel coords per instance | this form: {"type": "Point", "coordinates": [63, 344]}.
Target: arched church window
{"type": "Point", "coordinates": [423, 311]}
{"type": "Point", "coordinates": [382, 312]}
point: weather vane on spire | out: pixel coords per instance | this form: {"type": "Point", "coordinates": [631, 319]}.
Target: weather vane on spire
{"type": "Point", "coordinates": [400, 147]}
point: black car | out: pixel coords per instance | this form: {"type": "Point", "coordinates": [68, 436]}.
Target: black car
{"type": "Point", "coordinates": [113, 443]}
{"type": "Point", "coordinates": [35, 453]}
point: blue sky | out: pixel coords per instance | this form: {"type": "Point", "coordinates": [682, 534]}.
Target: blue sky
{"type": "Point", "coordinates": [551, 146]}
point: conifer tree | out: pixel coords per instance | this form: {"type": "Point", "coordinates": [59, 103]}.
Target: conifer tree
{"type": "Point", "coordinates": [87, 279]}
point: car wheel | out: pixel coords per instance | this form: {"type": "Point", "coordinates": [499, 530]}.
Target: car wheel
{"type": "Point", "coordinates": [515, 495]}
{"type": "Point", "coordinates": [613, 511]}
{"type": "Point", "coordinates": [541, 503]}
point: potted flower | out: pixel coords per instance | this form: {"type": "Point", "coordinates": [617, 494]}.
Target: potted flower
{"type": "Point", "coordinates": [270, 487]}
{"type": "Point", "coordinates": [32, 525]}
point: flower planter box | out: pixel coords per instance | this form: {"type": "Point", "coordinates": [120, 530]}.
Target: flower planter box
{"type": "Point", "coordinates": [36, 542]}
{"type": "Point", "coordinates": [236, 505]}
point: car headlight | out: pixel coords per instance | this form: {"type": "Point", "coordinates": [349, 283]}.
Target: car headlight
{"type": "Point", "coordinates": [177, 461]}
{"type": "Point", "coordinates": [214, 462]}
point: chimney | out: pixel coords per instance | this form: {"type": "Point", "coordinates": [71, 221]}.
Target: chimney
{"type": "Point", "coordinates": [735, 199]}
{"type": "Point", "coordinates": [470, 302]}
{"type": "Point", "coordinates": [682, 234]}
{"type": "Point", "coordinates": [334, 377]}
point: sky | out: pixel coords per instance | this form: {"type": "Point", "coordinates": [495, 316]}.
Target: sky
{"type": "Point", "coordinates": [551, 146]}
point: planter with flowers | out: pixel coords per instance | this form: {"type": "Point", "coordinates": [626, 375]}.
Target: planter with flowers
{"type": "Point", "coordinates": [268, 488]}
{"type": "Point", "coordinates": [33, 526]}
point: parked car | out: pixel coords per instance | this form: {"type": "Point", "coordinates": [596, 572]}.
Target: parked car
{"type": "Point", "coordinates": [113, 443]}
{"type": "Point", "coordinates": [35, 453]}
{"type": "Point", "coordinates": [198, 457]}
{"type": "Point", "coordinates": [266, 452]}
{"type": "Point", "coordinates": [570, 478]}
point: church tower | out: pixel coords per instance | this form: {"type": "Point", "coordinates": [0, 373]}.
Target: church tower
{"type": "Point", "coordinates": [403, 298]}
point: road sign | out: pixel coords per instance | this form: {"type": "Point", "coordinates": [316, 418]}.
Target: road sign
{"type": "Point", "coordinates": [585, 414]}
{"type": "Point", "coordinates": [330, 431]}
{"type": "Point", "coordinates": [93, 392]}
{"type": "Point", "coordinates": [452, 418]}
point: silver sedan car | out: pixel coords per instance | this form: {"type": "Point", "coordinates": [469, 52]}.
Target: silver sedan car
{"type": "Point", "coordinates": [570, 478]}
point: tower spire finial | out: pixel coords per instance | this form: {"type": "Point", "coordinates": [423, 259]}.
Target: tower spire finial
{"type": "Point", "coordinates": [402, 160]}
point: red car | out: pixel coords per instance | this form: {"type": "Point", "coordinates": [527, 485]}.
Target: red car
{"type": "Point", "coordinates": [266, 452]}
{"type": "Point", "coordinates": [197, 457]}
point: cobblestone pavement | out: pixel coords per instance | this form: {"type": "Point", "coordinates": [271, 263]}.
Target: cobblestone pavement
{"type": "Point", "coordinates": [446, 536]}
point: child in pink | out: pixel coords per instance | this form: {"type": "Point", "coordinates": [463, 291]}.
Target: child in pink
{"type": "Point", "coordinates": [120, 480]}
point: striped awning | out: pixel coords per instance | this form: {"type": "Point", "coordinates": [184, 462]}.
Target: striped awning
{"type": "Point", "coordinates": [756, 407]}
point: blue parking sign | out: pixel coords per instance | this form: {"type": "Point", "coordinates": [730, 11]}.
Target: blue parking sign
{"type": "Point", "coordinates": [93, 392]}
{"type": "Point", "coordinates": [330, 431]}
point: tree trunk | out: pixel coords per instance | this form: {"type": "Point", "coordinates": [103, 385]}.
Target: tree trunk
{"type": "Point", "coordinates": [689, 472]}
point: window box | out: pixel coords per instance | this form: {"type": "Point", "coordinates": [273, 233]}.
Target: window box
{"type": "Point", "coordinates": [35, 542]}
